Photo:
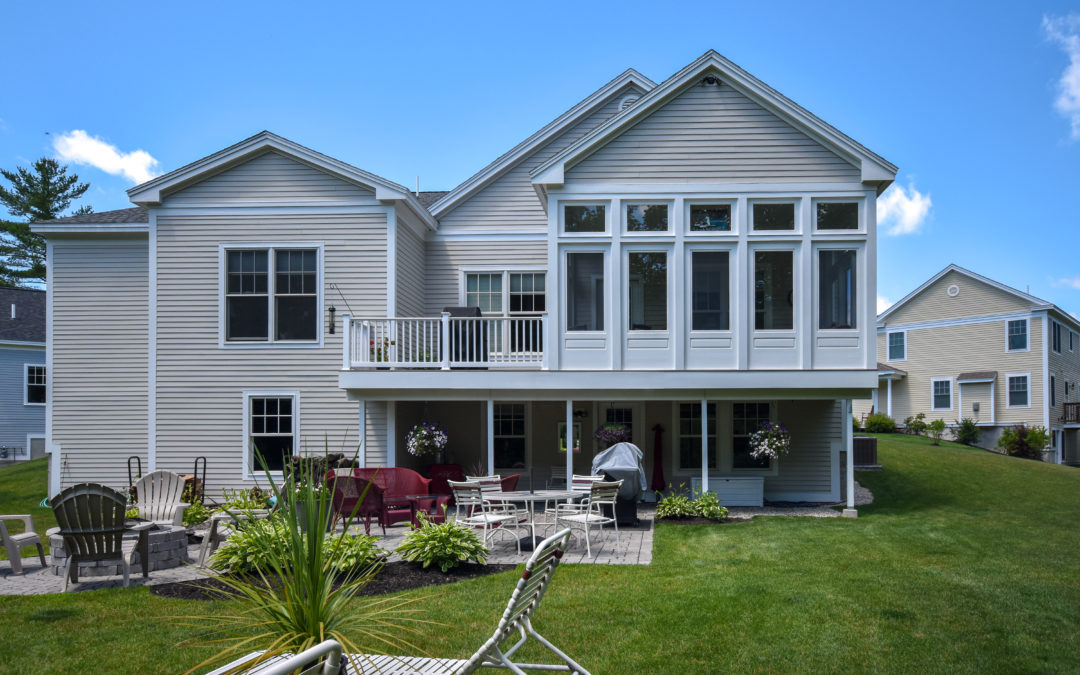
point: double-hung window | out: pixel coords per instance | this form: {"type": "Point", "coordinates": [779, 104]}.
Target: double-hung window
{"type": "Point", "coordinates": [507, 294]}
{"type": "Point", "coordinates": [509, 424]}
{"type": "Point", "coordinates": [1018, 391]}
{"type": "Point", "coordinates": [941, 393]}
{"type": "Point", "coordinates": [746, 418]}
{"type": "Point", "coordinates": [1017, 335]}
{"type": "Point", "coordinates": [272, 420]}
{"type": "Point", "coordinates": [690, 435]}
{"type": "Point", "coordinates": [897, 346]}
{"type": "Point", "coordinates": [35, 385]}
{"type": "Point", "coordinates": [272, 294]}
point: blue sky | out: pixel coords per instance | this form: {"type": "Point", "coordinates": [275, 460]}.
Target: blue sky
{"type": "Point", "coordinates": [977, 103]}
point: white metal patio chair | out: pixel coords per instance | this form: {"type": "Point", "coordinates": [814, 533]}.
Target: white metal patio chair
{"type": "Point", "coordinates": [158, 497]}
{"type": "Point", "coordinates": [590, 512]}
{"type": "Point", "coordinates": [557, 479]}
{"type": "Point", "coordinates": [517, 618]}
{"type": "Point", "coordinates": [471, 509]}
{"type": "Point", "coordinates": [14, 542]}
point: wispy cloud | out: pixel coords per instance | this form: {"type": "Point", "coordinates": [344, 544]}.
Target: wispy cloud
{"type": "Point", "coordinates": [1069, 282]}
{"type": "Point", "coordinates": [883, 303]}
{"type": "Point", "coordinates": [79, 147]}
{"type": "Point", "coordinates": [1064, 31]}
{"type": "Point", "coordinates": [902, 211]}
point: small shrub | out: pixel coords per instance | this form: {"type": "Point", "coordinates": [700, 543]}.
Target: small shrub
{"type": "Point", "coordinates": [352, 553]}
{"type": "Point", "coordinates": [244, 500]}
{"type": "Point", "coordinates": [936, 430]}
{"type": "Point", "coordinates": [256, 546]}
{"type": "Point", "coordinates": [196, 513]}
{"type": "Point", "coordinates": [675, 505]}
{"type": "Point", "coordinates": [132, 513]}
{"type": "Point", "coordinates": [707, 505]}
{"type": "Point", "coordinates": [880, 423]}
{"type": "Point", "coordinates": [967, 432]}
{"type": "Point", "coordinates": [855, 424]}
{"type": "Point", "coordinates": [445, 544]}
{"type": "Point", "coordinates": [915, 425]}
{"type": "Point", "coordinates": [1020, 440]}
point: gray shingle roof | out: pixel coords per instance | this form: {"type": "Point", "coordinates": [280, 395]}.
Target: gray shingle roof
{"type": "Point", "coordinates": [426, 199]}
{"type": "Point", "coordinates": [137, 214]}
{"type": "Point", "coordinates": [884, 367]}
{"type": "Point", "coordinates": [977, 375]}
{"type": "Point", "coordinates": [29, 322]}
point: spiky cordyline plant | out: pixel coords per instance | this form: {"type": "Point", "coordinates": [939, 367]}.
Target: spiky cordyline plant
{"type": "Point", "coordinates": [292, 604]}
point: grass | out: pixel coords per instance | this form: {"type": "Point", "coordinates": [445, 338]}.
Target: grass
{"type": "Point", "coordinates": [22, 487]}
{"type": "Point", "coordinates": [966, 562]}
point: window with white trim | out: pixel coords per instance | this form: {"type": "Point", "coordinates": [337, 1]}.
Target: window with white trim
{"type": "Point", "coordinates": [35, 385]}
{"type": "Point", "coordinates": [771, 216]}
{"type": "Point", "coordinates": [941, 394]}
{"type": "Point", "coordinates": [746, 418]}
{"type": "Point", "coordinates": [836, 290]}
{"type": "Point", "coordinates": [509, 423]}
{"type": "Point", "coordinates": [646, 218]}
{"type": "Point", "coordinates": [837, 215]}
{"type": "Point", "coordinates": [584, 218]}
{"type": "Point", "coordinates": [710, 282]}
{"type": "Point", "coordinates": [281, 306]}
{"type": "Point", "coordinates": [647, 290]}
{"type": "Point", "coordinates": [897, 346]}
{"type": "Point", "coordinates": [1017, 386]}
{"type": "Point", "coordinates": [1055, 334]}
{"type": "Point", "coordinates": [584, 291]}
{"type": "Point", "coordinates": [710, 217]}
{"type": "Point", "coordinates": [690, 435]}
{"type": "Point", "coordinates": [505, 293]}
{"type": "Point", "coordinates": [271, 426]}
{"type": "Point", "coordinates": [1017, 336]}
{"type": "Point", "coordinates": [774, 288]}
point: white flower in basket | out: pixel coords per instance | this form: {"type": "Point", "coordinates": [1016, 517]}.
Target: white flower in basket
{"type": "Point", "coordinates": [426, 439]}
{"type": "Point", "coordinates": [770, 441]}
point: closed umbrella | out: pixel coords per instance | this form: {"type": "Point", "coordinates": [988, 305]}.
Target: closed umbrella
{"type": "Point", "coordinates": [658, 459]}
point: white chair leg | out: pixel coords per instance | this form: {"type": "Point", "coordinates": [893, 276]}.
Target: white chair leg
{"type": "Point", "coordinates": [67, 573]}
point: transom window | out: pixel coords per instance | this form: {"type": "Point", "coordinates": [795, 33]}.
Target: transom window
{"type": "Point", "coordinates": [584, 218]}
{"type": "Point", "coordinates": [942, 394]}
{"type": "Point", "coordinates": [647, 286]}
{"type": "Point", "coordinates": [836, 290]}
{"type": "Point", "coordinates": [768, 216]}
{"type": "Point", "coordinates": [265, 307]}
{"type": "Point", "coordinates": [509, 423]}
{"type": "Point", "coordinates": [690, 435]}
{"type": "Point", "coordinates": [746, 418]}
{"type": "Point", "coordinates": [1018, 335]}
{"type": "Point", "coordinates": [646, 218]}
{"type": "Point", "coordinates": [35, 385]}
{"type": "Point", "coordinates": [773, 290]}
{"type": "Point", "coordinates": [1018, 391]}
{"type": "Point", "coordinates": [897, 346]}
{"type": "Point", "coordinates": [709, 288]}
{"type": "Point", "coordinates": [272, 422]}
{"type": "Point", "coordinates": [837, 215]}
{"type": "Point", "coordinates": [710, 218]}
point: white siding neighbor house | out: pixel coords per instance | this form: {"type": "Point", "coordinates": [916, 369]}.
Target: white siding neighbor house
{"type": "Point", "coordinates": [23, 374]}
{"type": "Point", "coordinates": [688, 258]}
{"type": "Point", "coordinates": [965, 346]}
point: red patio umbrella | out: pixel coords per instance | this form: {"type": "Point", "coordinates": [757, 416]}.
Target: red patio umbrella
{"type": "Point", "coordinates": [658, 482]}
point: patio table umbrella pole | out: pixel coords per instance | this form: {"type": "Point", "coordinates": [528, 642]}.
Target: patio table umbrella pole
{"type": "Point", "coordinates": [658, 459]}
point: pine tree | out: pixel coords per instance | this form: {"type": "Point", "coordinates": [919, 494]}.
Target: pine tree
{"type": "Point", "coordinates": [37, 195]}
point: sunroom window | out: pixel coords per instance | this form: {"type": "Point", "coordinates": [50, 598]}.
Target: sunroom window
{"type": "Point", "coordinates": [768, 216]}
{"type": "Point", "coordinates": [584, 292]}
{"type": "Point", "coordinates": [583, 218]}
{"type": "Point", "coordinates": [709, 288]}
{"type": "Point", "coordinates": [836, 290]}
{"type": "Point", "coordinates": [773, 290]}
{"type": "Point", "coordinates": [646, 217]}
{"type": "Point", "coordinates": [710, 218]}
{"type": "Point", "coordinates": [648, 290]}
{"type": "Point", "coordinates": [837, 215]}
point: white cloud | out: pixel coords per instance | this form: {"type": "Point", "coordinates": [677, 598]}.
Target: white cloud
{"type": "Point", "coordinates": [1071, 282]}
{"type": "Point", "coordinates": [80, 147]}
{"type": "Point", "coordinates": [883, 303]}
{"type": "Point", "coordinates": [1065, 32]}
{"type": "Point", "coordinates": [902, 211]}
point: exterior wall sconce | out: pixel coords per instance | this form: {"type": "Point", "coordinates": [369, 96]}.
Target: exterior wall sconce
{"type": "Point", "coordinates": [333, 310]}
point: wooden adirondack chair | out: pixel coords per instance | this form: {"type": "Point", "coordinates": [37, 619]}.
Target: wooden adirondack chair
{"type": "Point", "coordinates": [91, 520]}
{"type": "Point", "coordinates": [158, 496]}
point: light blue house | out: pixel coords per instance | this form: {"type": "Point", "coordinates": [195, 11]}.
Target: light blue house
{"type": "Point", "coordinates": [23, 374]}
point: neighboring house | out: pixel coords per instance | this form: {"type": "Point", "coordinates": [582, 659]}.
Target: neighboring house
{"type": "Point", "coordinates": [965, 346]}
{"type": "Point", "coordinates": [23, 375]}
{"type": "Point", "coordinates": [698, 255]}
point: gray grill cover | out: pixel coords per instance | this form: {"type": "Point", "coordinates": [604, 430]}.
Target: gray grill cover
{"type": "Point", "coordinates": [622, 461]}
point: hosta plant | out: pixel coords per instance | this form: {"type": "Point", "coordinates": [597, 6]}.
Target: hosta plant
{"type": "Point", "coordinates": [445, 544]}
{"type": "Point", "coordinates": [707, 505]}
{"type": "Point", "coordinates": [196, 513]}
{"type": "Point", "coordinates": [675, 505]}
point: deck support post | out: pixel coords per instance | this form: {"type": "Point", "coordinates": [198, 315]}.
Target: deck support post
{"type": "Point", "coordinates": [490, 437]}
{"type": "Point", "coordinates": [888, 397]}
{"type": "Point", "coordinates": [704, 446]}
{"type": "Point", "coordinates": [569, 442]}
{"type": "Point", "coordinates": [849, 447]}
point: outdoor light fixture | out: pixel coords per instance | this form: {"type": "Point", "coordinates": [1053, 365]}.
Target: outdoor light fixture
{"type": "Point", "coordinates": [333, 310]}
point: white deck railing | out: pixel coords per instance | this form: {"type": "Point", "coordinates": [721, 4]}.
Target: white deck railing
{"type": "Point", "coordinates": [445, 342]}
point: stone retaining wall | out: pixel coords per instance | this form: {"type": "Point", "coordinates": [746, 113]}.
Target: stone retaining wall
{"type": "Point", "coordinates": [168, 548]}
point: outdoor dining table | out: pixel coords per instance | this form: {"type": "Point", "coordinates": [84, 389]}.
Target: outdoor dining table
{"type": "Point", "coordinates": [529, 498]}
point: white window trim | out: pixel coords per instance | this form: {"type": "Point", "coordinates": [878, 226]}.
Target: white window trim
{"type": "Point", "coordinates": [689, 203]}
{"type": "Point", "coordinates": [1027, 333]}
{"type": "Point", "coordinates": [506, 270]}
{"type": "Point", "coordinates": [26, 385]}
{"type": "Point", "coordinates": [609, 298]}
{"type": "Point", "coordinates": [888, 351]}
{"type": "Point", "coordinates": [623, 223]}
{"type": "Point", "coordinates": [528, 437]}
{"type": "Point", "coordinates": [246, 473]}
{"type": "Point", "coordinates": [815, 282]}
{"type": "Point", "coordinates": [794, 201]}
{"type": "Point", "coordinates": [1009, 376]}
{"type": "Point", "coordinates": [688, 295]}
{"type": "Point", "coordinates": [859, 229]}
{"type": "Point", "coordinates": [668, 251]}
{"type": "Point", "coordinates": [223, 248]}
{"type": "Point", "coordinates": [606, 203]}
{"type": "Point", "coordinates": [934, 380]}
{"type": "Point", "coordinates": [798, 292]}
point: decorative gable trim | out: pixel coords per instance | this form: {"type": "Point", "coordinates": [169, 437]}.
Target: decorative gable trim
{"type": "Point", "coordinates": [522, 150]}
{"type": "Point", "coordinates": [152, 192]}
{"type": "Point", "coordinates": [874, 169]}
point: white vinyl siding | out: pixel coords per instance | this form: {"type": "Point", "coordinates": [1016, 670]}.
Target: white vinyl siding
{"type": "Point", "coordinates": [16, 418]}
{"type": "Point", "coordinates": [713, 134]}
{"type": "Point", "coordinates": [410, 272]}
{"type": "Point", "coordinates": [974, 299]}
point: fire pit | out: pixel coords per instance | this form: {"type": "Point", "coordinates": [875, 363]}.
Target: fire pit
{"type": "Point", "coordinates": [168, 548]}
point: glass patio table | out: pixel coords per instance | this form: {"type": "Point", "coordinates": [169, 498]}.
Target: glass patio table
{"type": "Point", "coordinates": [529, 498]}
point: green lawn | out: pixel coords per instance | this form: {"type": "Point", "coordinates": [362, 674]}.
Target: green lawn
{"type": "Point", "coordinates": [967, 561]}
{"type": "Point", "coordinates": [22, 487]}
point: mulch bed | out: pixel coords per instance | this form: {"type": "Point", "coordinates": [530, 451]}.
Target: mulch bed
{"type": "Point", "coordinates": [393, 577]}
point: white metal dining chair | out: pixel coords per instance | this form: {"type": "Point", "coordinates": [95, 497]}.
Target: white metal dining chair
{"type": "Point", "coordinates": [471, 509]}
{"type": "Point", "coordinates": [590, 512]}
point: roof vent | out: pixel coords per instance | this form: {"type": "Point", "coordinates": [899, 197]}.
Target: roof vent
{"type": "Point", "coordinates": [711, 81]}
{"type": "Point", "coordinates": [628, 101]}
{"type": "Point", "coordinates": [953, 291]}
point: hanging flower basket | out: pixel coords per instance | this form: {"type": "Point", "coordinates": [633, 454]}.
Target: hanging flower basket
{"type": "Point", "coordinates": [425, 440]}
{"type": "Point", "coordinates": [770, 441]}
{"type": "Point", "coordinates": [610, 434]}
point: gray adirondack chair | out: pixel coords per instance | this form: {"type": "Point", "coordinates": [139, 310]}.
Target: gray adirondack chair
{"type": "Point", "coordinates": [158, 496]}
{"type": "Point", "coordinates": [14, 542]}
{"type": "Point", "coordinates": [91, 520]}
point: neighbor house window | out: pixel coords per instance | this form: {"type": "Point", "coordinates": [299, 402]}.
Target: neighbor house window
{"type": "Point", "coordinates": [709, 289]}
{"type": "Point", "coordinates": [646, 217]}
{"type": "Point", "coordinates": [272, 424]}
{"type": "Point", "coordinates": [1018, 391]}
{"type": "Point", "coordinates": [1018, 335]}
{"type": "Point", "coordinates": [690, 435]}
{"type": "Point", "coordinates": [1055, 333]}
{"type": "Point", "coordinates": [584, 291]}
{"type": "Point", "coordinates": [509, 423]}
{"type": "Point", "coordinates": [584, 218]}
{"type": "Point", "coordinates": [897, 346]}
{"type": "Point", "coordinates": [769, 217]}
{"type": "Point", "coordinates": [773, 290]}
{"type": "Point", "coordinates": [746, 418]}
{"type": "Point", "coordinates": [836, 289]}
{"type": "Point", "coordinates": [837, 215]}
{"type": "Point", "coordinates": [647, 286]}
{"type": "Point", "coordinates": [710, 218]}
{"type": "Point", "coordinates": [281, 306]}
{"type": "Point", "coordinates": [35, 385]}
{"type": "Point", "coordinates": [942, 394]}
{"type": "Point", "coordinates": [1053, 390]}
